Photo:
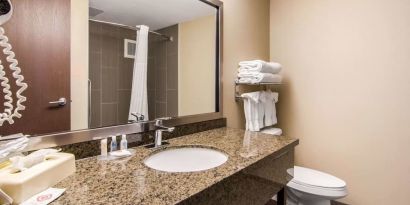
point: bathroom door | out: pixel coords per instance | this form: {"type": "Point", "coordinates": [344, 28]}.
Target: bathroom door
{"type": "Point", "coordinates": [39, 31]}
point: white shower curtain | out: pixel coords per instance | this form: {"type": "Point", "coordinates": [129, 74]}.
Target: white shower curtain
{"type": "Point", "coordinates": [139, 99]}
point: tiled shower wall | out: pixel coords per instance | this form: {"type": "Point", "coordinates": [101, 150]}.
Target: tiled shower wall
{"type": "Point", "coordinates": [111, 74]}
{"type": "Point", "coordinates": [163, 75]}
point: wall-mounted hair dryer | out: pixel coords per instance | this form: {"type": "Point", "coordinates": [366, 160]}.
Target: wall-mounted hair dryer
{"type": "Point", "coordinates": [6, 11]}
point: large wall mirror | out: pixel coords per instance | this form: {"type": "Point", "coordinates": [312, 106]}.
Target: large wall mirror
{"type": "Point", "coordinates": [146, 58]}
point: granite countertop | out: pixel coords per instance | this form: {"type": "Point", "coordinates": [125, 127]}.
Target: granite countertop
{"type": "Point", "coordinates": [129, 181]}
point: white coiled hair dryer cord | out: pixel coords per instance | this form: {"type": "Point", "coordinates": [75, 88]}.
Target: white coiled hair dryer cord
{"type": "Point", "coordinates": [8, 113]}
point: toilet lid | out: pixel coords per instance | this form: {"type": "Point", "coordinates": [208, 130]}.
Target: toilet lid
{"type": "Point", "coordinates": [312, 177]}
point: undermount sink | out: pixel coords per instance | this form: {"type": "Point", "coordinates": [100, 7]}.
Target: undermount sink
{"type": "Point", "coordinates": [186, 159]}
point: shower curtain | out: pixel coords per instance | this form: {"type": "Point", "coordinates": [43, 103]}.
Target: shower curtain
{"type": "Point", "coordinates": [139, 99]}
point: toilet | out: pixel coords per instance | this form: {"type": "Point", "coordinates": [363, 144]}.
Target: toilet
{"type": "Point", "coordinates": [312, 187]}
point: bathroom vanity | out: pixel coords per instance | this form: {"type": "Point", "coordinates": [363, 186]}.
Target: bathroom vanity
{"type": "Point", "coordinates": [254, 172]}
{"type": "Point", "coordinates": [183, 67]}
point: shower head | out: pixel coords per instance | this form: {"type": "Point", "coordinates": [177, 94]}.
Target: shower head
{"type": "Point", "coordinates": [93, 12]}
{"type": "Point", "coordinates": [6, 10]}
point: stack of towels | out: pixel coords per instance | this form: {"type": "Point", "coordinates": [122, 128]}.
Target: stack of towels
{"type": "Point", "coordinates": [260, 111]}
{"type": "Point", "coordinates": [258, 71]}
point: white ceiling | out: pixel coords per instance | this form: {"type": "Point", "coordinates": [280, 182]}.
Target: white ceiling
{"type": "Point", "coordinates": [156, 14]}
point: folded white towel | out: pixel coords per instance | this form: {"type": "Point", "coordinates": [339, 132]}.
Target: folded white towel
{"type": "Point", "coordinates": [249, 74]}
{"type": "Point", "coordinates": [260, 78]}
{"type": "Point", "coordinates": [13, 147]}
{"type": "Point", "coordinates": [260, 66]}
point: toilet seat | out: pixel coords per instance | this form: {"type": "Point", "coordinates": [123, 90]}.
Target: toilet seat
{"type": "Point", "coordinates": [316, 182]}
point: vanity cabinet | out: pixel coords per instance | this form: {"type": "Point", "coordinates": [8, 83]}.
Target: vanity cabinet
{"type": "Point", "coordinates": [255, 185]}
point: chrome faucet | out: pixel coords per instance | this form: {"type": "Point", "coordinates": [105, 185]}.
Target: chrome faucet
{"type": "Point", "coordinates": [159, 128]}
{"type": "Point", "coordinates": [138, 117]}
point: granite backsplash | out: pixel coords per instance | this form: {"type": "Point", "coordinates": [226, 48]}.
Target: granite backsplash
{"type": "Point", "coordinates": [92, 148]}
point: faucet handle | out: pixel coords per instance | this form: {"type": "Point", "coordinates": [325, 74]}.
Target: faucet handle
{"type": "Point", "coordinates": [164, 118]}
{"type": "Point", "coordinates": [158, 121]}
{"type": "Point", "coordinates": [138, 116]}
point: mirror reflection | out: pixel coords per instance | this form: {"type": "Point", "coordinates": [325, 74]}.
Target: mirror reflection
{"type": "Point", "coordinates": [146, 59]}
{"type": "Point", "coordinates": [173, 63]}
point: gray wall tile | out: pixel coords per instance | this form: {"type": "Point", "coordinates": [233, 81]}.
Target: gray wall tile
{"type": "Point", "coordinates": [109, 85]}
{"type": "Point", "coordinates": [172, 72]}
{"type": "Point", "coordinates": [94, 37]}
{"type": "Point", "coordinates": [124, 97]}
{"type": "Point", "coordinates": [125, 73]}
{"type": "Point", "coordinates": [172, 103]}
{"type": "Point", "coordinates": [95, 108]}
{"type": "Point", "coordinates": [151, 104]}
{"type": "Point", "coordinates": [95, 70]}
{"type": "Point", "coordinates": [109, 114]}
{"type": "Point", "coordinates": [151, 79]}
{"type": "Point", "coordinates": [161, 86]}
{"type": "Point", "coordinates": [161, 54]}
{"type": "Point", "coordinates": [172, 46]}
{"type": "Point", "coordinates": [160, 110]}
{"type": "Point", "coordinates": [109, 51]}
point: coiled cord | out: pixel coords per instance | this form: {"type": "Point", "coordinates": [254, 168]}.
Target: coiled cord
{"type": "Point", "coordinates": [8, 113]}
{"type": "Point", "coordinates": [8, 100]}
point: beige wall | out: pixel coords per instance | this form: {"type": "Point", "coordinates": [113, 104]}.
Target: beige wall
{"type": "Point", "coordinates": [347, 74]}
{"type": "Point", "coordinates": [79, 64]}
{"type": "Point", "coordinates": [196, 75]}
{"type": "Point", "coordinates": [245, 37]}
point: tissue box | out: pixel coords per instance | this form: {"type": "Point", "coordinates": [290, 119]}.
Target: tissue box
{"type": "Point", "coordinates": [20, 186]}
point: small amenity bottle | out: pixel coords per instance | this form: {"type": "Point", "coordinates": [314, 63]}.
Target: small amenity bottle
{"type": "Point", "coordinates": [113, 143]}
{"type": "Point", "coordinates": [104, 148]}
{"type": "Point", "coordinates": [124, 143]}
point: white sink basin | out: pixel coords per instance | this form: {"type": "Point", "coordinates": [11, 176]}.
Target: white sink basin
{"type": "Point", "coordinates": [186, 159]}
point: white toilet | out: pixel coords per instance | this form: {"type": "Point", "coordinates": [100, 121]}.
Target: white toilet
{"type": "Point", "coordinates": [311, 187]}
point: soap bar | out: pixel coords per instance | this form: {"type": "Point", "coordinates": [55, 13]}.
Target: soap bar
{"type": "Point", "coordinates": [44, 197]}
{"type": "Point", "coordinates": [121, 153]}
{"type": "Point", "coordinates": [20, 186]}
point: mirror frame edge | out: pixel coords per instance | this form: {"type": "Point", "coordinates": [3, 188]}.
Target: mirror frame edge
{"type": "Point", "coordinates": [84, 135]}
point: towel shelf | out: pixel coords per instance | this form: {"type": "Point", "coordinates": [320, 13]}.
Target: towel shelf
{"type": "Point", "coordinates": [238, 97]}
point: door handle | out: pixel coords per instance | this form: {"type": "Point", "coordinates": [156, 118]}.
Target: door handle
{"type": "Point", "coordinates": [60, 102]}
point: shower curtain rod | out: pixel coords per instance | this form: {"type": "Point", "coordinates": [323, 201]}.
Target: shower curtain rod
{"type": "Point", "coordinates": [169, 38]}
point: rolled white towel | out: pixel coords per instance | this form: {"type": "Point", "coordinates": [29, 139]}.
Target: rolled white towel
{"type": "Point", "coordinates": [261, 78]}
{"type": "Point", "coordinates": [259, 66]}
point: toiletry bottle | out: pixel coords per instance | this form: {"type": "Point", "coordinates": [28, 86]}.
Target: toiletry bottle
{"type": "Point", "coordinates": [124, 143]}
{"type": "Point", "coordinates": [113, 143]}
{"type": "Point", "coordinates": [104, 147]}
